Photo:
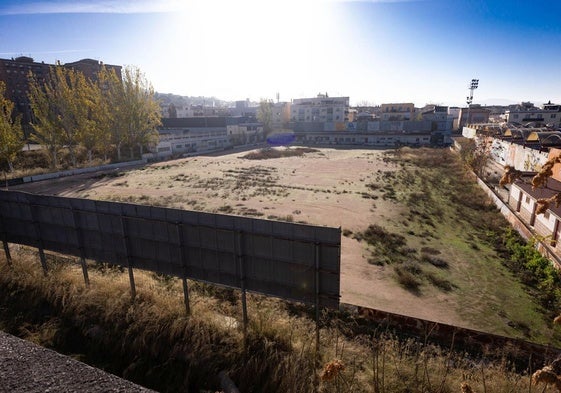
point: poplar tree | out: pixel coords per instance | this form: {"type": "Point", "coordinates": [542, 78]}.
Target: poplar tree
{"type": "Point", "coordinates": [265, 115]}
{"type": "Point", "coordinates": [69, 99]}
{"type": "Point", "coordinates": [11, 133]}
{"type": "Point", "coordinates": [139, 111]}
{"type": "Point", "coordinates": [46, 121]}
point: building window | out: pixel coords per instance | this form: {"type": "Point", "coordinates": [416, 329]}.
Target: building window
{"type": "Point", "coordinates": [546, 215]}
{"type": "Point", "coordinates": [527, 200]}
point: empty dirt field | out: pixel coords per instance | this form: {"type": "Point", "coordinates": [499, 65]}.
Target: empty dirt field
{"type": "Point", "coordinates": [351, 189]}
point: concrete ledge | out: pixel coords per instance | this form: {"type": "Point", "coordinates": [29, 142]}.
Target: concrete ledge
{"type": "Point", "coordinates": [71, 172]}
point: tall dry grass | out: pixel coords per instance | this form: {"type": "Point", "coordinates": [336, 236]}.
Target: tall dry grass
{"type": "Point", "coordinates": [152, 341]}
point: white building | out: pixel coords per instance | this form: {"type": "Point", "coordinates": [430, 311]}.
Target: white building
{"type": "Point", "coordinates": [397, 112]}
{"type": "Point", "coordinates": [320, 109]}
{"type": "Point", "coordinates": [548, 115]}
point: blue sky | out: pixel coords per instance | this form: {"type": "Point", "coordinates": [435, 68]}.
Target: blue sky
{"type": "Point", "coordinates": [375, 51]}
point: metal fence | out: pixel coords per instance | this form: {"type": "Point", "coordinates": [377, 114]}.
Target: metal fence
{"type": "Point", "coordinates": [287, 260]}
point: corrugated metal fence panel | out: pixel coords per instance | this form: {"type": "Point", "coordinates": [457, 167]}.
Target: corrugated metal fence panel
{"type": "Point", "coordinates": [54, 219]}
{"type": "Point", "coordinates": [269, 257]}
{"type": "Point", "coordinates": [16, 219]}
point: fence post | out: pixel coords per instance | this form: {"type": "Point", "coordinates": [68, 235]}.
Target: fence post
{"type": "Point", "coordinates": [5, 241]}
{"type": "Point", "coordinates": [179, 227]}
{"type": "Point", "coordinates": [240, 261]}
{"type": "Point", "coordinates": [124, 233]}
{"type": "Point", "coordinates": [80, 238]}
{"type": "Point", "coordinates": [317, 305]}
{"type": "Point", "coordinates": [39, 238]}
{"type": "Point", "coordinates": [7, 252]}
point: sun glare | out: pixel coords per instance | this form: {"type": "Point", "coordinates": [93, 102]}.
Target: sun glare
{"type": "Point", "coordinates": [249, 48]}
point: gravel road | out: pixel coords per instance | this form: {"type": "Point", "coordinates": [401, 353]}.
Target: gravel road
{"type": "Point", "coordinates": [29, 368]}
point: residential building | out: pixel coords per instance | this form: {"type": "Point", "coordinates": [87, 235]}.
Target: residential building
{"type": "Point", "coordinates": [397, 112]}
{"type": "Point", "coordinates": [280, 115]}
{"type": "Point", "coordinates": [90, 68]}
{"type": "Point", "coordinates": [243, 130]}
{"type": "Point", "coordinates": [320, 109]}
{"type": "Point", "coordinates": [523, 200]}
{"type": "Point", "coordinates": [438, 116]}
{"type": "Point", "coordinates": [474, 114]}
{"type": "Point", "coordinates": [526, 112]}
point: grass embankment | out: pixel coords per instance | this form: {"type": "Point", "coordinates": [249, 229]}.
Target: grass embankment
{"type": "Point", "coordinates": [152, 342]}
{"type": "Point", "coordinates": [454, 243]}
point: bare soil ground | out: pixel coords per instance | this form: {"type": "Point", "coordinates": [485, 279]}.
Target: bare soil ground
{"type": "Point", "coordinates": [327, 187]}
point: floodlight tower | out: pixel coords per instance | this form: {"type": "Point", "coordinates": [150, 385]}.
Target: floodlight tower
{"type": "Point", "coordinates": [469, 99]}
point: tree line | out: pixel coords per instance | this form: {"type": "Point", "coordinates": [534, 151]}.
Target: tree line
{"type": "Point", "coordinates": [105, 114]}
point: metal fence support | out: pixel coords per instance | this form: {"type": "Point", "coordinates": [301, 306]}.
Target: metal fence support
{"type": "Point", "coordinates": [131, 280]}
{"type": "Point", "coordinates": [7, 252]}
{"type": "Point", "coordinates": [186, 296]}
{"type": "Point", "coordinates": [85, 271]}
{"type": "Point", "coordinates": [316, 265]}
{"type": "Point", "coordinates": [5, 242]}
{"type": "Point", "coordinates": [240, 261]}
{"type": "Point", "coordinates": [80, 239]}
{"type": "Point", "coordinates": [39, 239]}
{"type": "Point", "coordinates": [129, 261]}
{"type": "Point", "coordinates": [179, 227]}
{"type": "Point", "coordinates": [43, 259]}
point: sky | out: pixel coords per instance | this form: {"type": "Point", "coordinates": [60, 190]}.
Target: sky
{"type": "Point", "coordinates": [373, 51]}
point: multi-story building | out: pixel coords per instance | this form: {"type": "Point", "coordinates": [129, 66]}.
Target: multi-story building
{"type": "Point", "coordinates": [474, 114]}
{"type": "Point", "coordinates": [439, 117]}
{"type": "Point", "coordinates": [397, 112]}
{"type": "Point", "coordinates": [320, 109]}
{"type": "Point", "coordinates": [90, 68]}
{"type": "Point", "coordinates": [280, 115]}
{"type": "Point", "coordinates": [15, 74]}
{"type": "Point", "coordinates": [548, 115]}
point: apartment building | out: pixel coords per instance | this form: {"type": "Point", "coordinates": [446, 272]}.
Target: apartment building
{"type": "Point", "coordinates": [320, 109]}
{"type": "Point", "coordinates": [15, 74]}
{"type": "Point", "coordinates": [397, 112]}
{"type": "Point", "coordinates": [475, 114]}
{"type": "Point", "coordinates": [280, 115]}
{"type": "Point", "coordinates": [526, 112]}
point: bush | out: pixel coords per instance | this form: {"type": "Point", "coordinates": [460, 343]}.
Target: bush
{"type": "Point", "coordinates": [436, 262]}
{"type": "Point", "coordinates": [407, 279]}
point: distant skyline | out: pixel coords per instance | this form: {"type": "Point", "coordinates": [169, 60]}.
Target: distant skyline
{"type": "Point", "coordinates": [374, 51]}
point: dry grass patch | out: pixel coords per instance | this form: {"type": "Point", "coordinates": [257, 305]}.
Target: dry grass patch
{"type": "Point", "coordinates": [153, 342]}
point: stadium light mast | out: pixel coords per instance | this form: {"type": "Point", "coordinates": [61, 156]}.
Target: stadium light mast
{"type": "Point", "coordinates": [469, 99]}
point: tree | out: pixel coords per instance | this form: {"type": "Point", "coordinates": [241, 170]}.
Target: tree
{"type": "Point", "coordinates": [172, 111]}
{"type": "Point", "coordinates": [47, 130]}
{"type": "Point", "coordinates": [62, 108]}
{"type": "Point", "coordinates": [11, 133]}
{"type": "Point", "coordinates": [476, 154]}
{"type": "Point", "coordinates": [93, 129]}
{"type": "Point", "coordinates": [137, 113]}
{"type": "Point", "coordinates": [265, 115]}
